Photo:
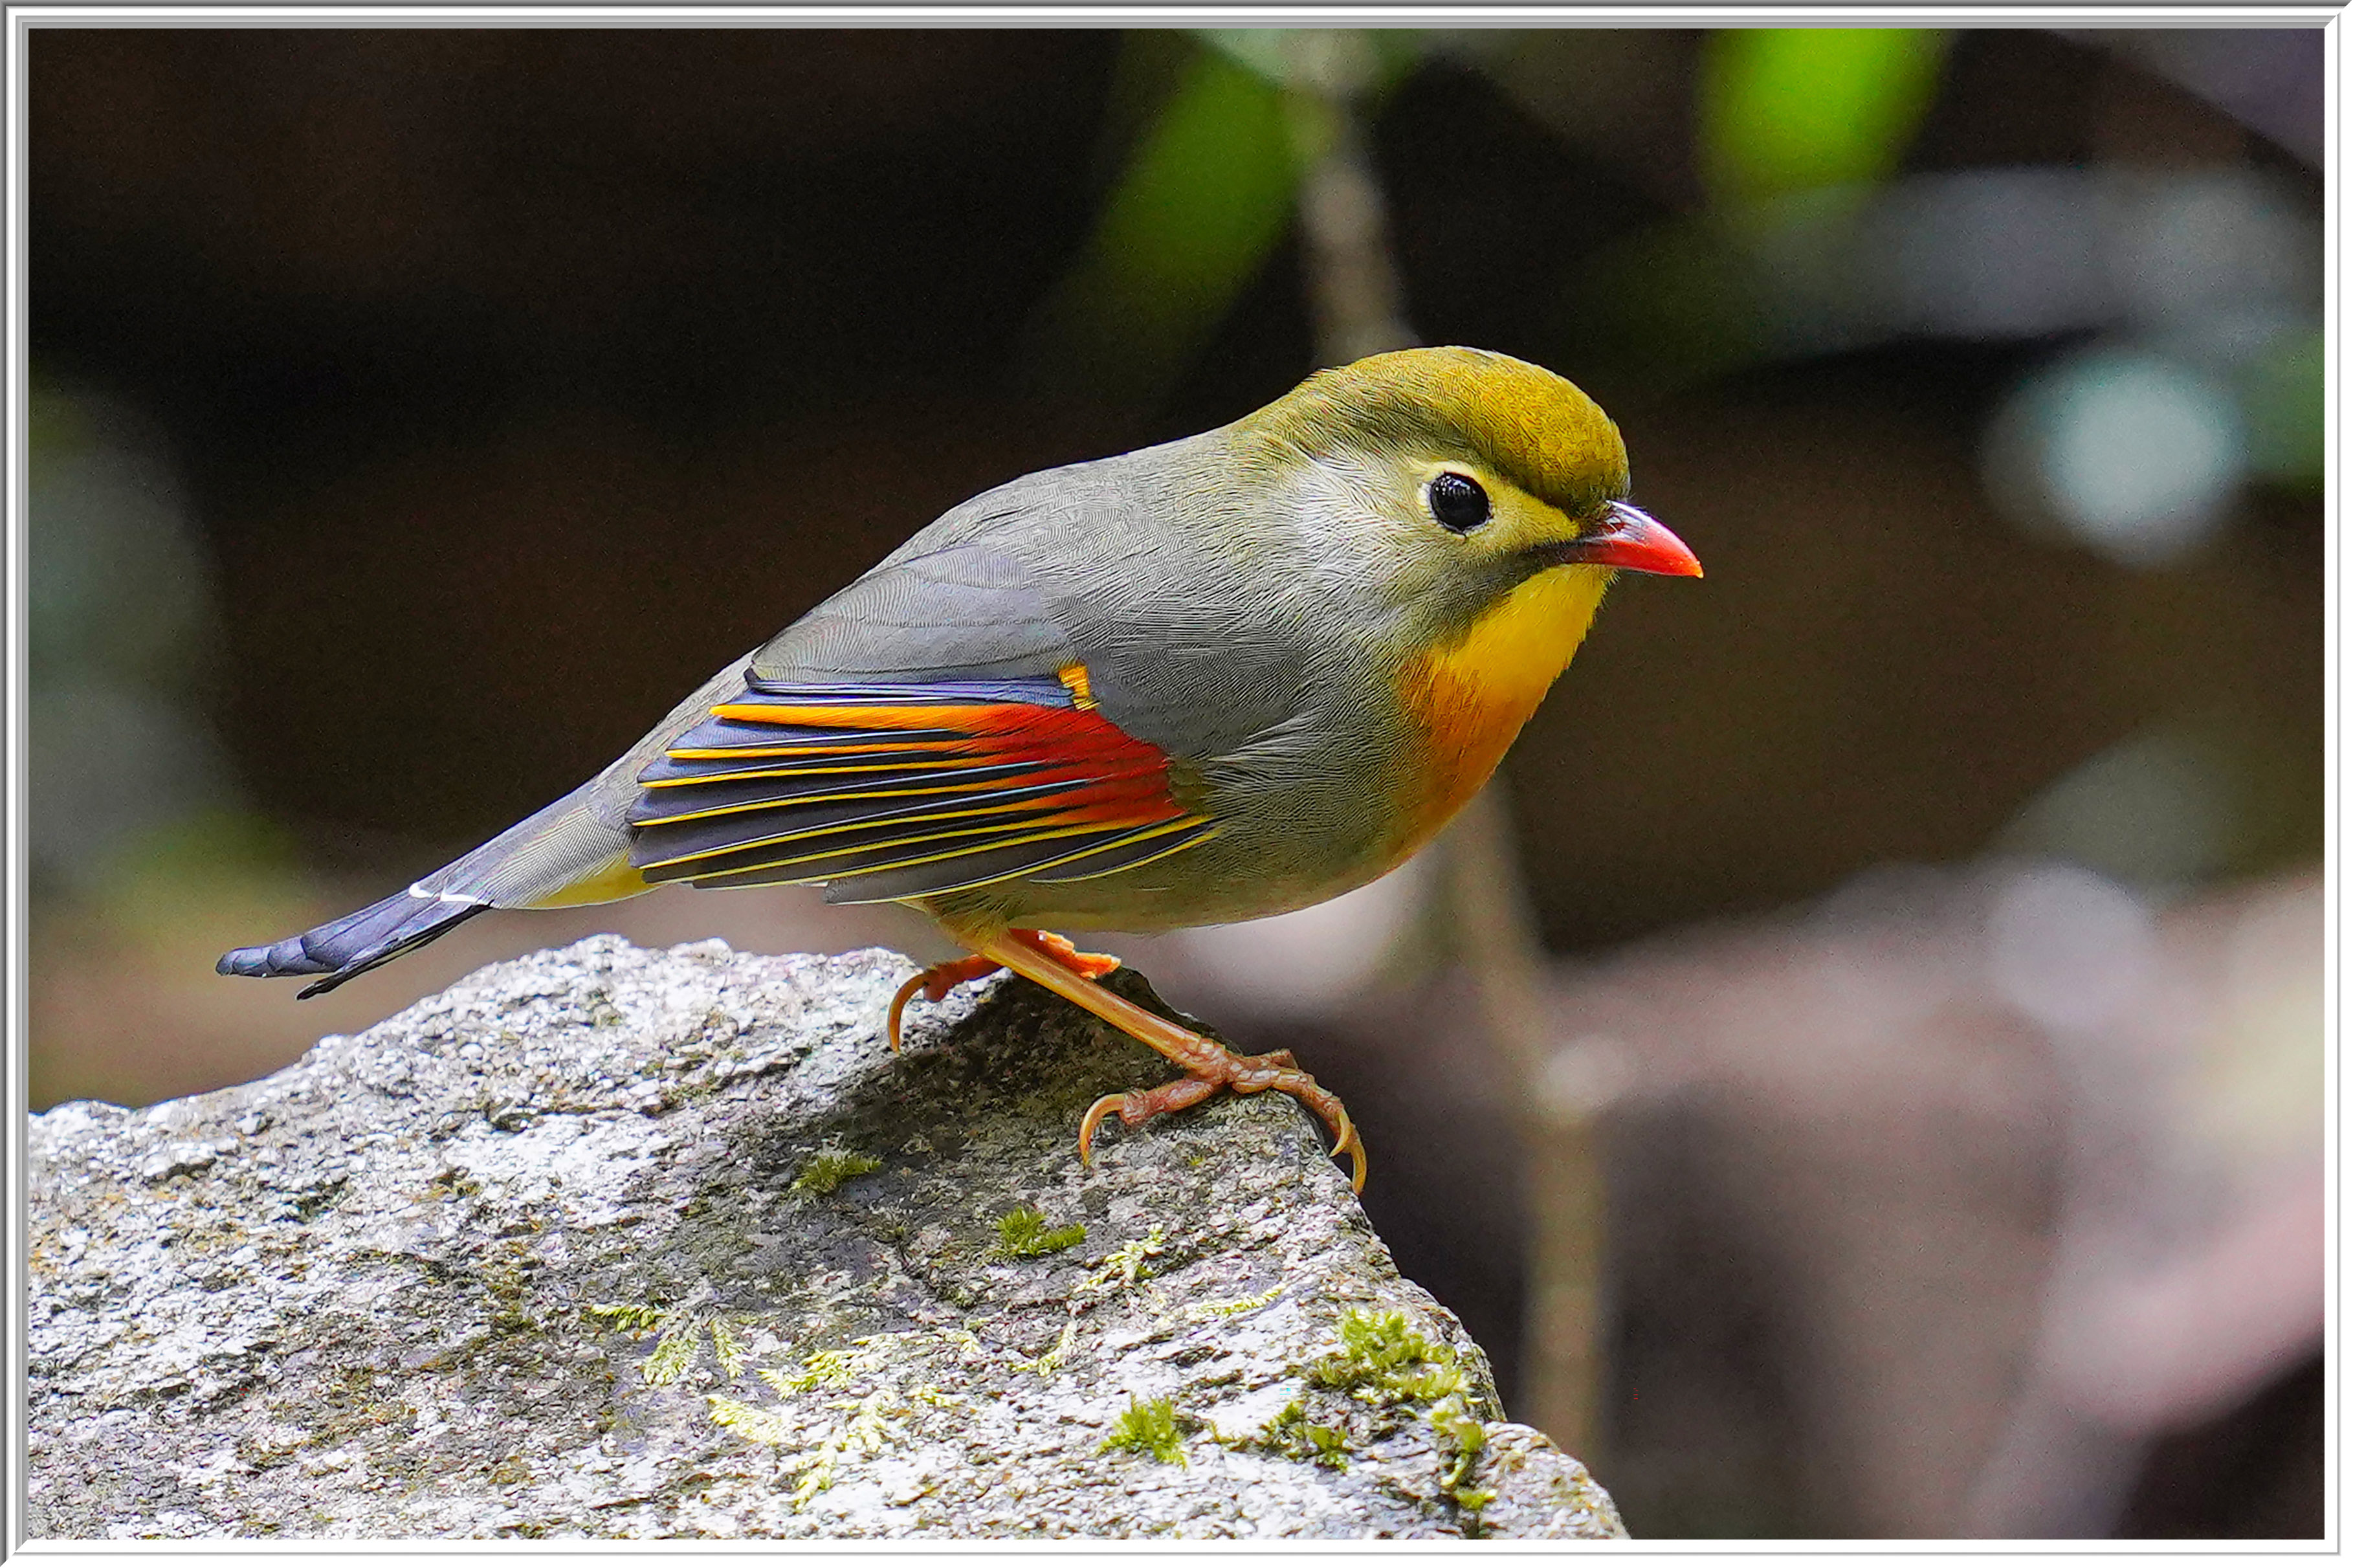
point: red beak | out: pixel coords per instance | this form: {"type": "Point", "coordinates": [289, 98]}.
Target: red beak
{"type": "Point", "coordinates": [1632, 541]}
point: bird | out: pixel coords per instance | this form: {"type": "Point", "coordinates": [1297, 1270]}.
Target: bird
{"type": "Point", "coordinates": [1210, 681]}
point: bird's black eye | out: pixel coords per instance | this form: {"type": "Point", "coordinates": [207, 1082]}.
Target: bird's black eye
{"type": "Point", "coordinates": [1456, 500]}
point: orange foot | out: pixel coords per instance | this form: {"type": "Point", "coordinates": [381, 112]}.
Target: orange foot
{"type": "Point", "coordinates": [940, 979]}
{"type": "Point", "coordinates": [1209, 1066]}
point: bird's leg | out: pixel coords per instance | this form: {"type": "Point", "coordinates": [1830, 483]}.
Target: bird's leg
{"type": "Point", "coordinates": [941, 978]}
{"type": "Point", "coordinates": [1209, 1066]}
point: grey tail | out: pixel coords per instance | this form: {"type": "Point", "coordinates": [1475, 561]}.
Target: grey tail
{"type": "Point", "coordinates": [355, 943]}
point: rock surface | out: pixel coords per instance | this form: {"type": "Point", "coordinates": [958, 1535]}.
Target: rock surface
{"type": "Point", "coordinates": [585, 1245]}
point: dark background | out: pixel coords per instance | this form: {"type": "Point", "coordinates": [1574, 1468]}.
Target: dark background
{"type": "Point", "coordinates": [419, 412]}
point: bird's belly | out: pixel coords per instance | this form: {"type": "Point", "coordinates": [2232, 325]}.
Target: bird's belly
{"type": "Point", "coordinates": [1214, 886]}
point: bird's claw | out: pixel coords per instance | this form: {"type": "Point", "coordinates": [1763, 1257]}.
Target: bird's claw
{"type": "Point", "coordinates": [1093, 1120]}
{"type": "Point", "coordinates": [935, 983]}
{"type": "Point", "coordinates": [1276, 1070]}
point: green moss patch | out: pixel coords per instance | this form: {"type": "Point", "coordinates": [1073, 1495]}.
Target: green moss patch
{"type": "Point", "coordinates": [1383, 1361]}
{"type": "Point", "coordinates": [1149, 1427]}
{"type": "Point", "coordinates": [1025, 1233]}
{"type": "Point", "coordinates": [829, 1167]}
{"type": "Point", "coordinates": [1293, 1436]}
{"type": "Point", "coordinates": [1386, 1362]}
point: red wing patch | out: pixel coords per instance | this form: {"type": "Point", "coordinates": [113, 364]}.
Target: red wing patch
{"type": "Point", "coordinates": [899, 792]}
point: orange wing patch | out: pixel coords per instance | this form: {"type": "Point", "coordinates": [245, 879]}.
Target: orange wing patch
{"type": "Point", "coordinates": [882, 793]}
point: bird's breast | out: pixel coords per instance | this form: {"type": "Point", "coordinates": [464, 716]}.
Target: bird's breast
{"type": "Point", "coordinates": [1464, 702]}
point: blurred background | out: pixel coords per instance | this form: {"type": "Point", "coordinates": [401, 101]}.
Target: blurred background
{"type": "Point", "coordinates": [1861, 1071]}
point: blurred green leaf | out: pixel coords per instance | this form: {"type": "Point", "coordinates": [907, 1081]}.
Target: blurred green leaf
{"type": "Point", "coordinates": [2283, 394]}
{"type": "Point", "coordinates": [1203, 199]}
{"type": "Point", "coordinates": [1788, 109]}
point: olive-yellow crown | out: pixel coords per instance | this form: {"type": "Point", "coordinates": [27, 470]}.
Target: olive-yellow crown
{"type": "Point", "coordinates": [1523, 422]}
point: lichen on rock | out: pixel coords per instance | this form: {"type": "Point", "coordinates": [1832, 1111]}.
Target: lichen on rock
{"type": "Point", "coordinates": [544, 1256]}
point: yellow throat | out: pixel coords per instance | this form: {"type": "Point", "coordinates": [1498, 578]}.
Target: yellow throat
{"type": "Point", "coordinates": [1469, 699]}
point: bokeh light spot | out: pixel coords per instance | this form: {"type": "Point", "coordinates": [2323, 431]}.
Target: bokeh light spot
{"type": "Point", "coordinates": [2132, 453]}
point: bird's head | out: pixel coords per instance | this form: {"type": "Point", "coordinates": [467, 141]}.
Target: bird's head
{"type": "Point", "coordinates": [1482, 497]}
{"type": "Point", "coordinates": [1475, 464]}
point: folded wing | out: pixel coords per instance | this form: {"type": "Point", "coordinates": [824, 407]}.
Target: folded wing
{"type": "Point", "coordinates": [902, 790]}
